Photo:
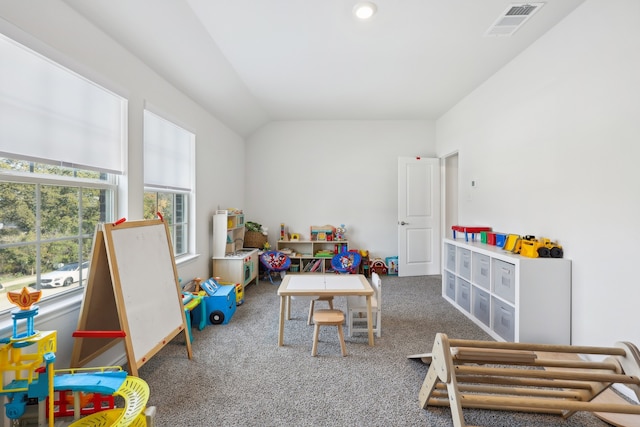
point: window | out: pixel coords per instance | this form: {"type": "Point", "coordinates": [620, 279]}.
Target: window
{"type": "Point", "coordinates": [174, 210]}
{"type": "Point", "coordinates": [62, 143]}
{"type": "Point", "coordinates": [48, 216]}
{"type": "Point", "coordinates": [168, 177]}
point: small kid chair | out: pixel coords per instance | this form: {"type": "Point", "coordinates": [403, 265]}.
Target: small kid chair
{"type": "Point", "coordinates": [357, 305]}
{"type": "Point", "coordinates": [346, 262]}
{"type": "Point", "coordinates": [275, 261]}
{"type": "Point", "coordinates": [328, 318]}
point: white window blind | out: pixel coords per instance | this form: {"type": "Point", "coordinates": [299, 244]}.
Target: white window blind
{"type": "Point", "coordinates": [53, 115]}
{"type": "Point", "coordinates": [168, 154]}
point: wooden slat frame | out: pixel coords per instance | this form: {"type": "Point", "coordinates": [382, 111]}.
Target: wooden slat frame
{"type": "Point", "coordinates": [522, 377]}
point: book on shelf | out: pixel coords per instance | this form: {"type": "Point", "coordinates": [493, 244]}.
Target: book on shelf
{"type": "Point", "coordinates": [316, 265]}
{"type": "Point", "coordinates": [309, 266]}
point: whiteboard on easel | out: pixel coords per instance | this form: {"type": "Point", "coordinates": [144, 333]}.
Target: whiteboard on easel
{"type": "Point", "coordinates": [145, 270]}
{"type": "Point", "coordinates": [144, 282]}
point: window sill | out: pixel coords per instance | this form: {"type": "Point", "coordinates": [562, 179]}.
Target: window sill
{"type": "Point", "coordinates": [185, 259]}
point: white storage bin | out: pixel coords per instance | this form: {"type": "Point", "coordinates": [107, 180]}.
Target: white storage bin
{"type": "Point", "coordinates": [463, 294]}
{"type": "Point", "coordinates": [450, 283]}
{"type": "Point", "coordinates": [464, 263]}
{"type": "Point", "coordinates": [481, 270]}
{"type": "Point", "coordinates": [503, 319]}
{"type": "Point", "coordinates": [451, 257]}
{"type": "Point", "coordinates": [504, 280]}
{"type": "Point", "coordinates": [481, 305]}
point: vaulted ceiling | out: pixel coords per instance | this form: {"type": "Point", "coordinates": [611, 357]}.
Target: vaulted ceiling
{"type": "Point", "coordinates": [253, 61]}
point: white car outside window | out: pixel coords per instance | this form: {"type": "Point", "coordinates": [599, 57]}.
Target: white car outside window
{"type": "Point", "coordinates": [64, 276]}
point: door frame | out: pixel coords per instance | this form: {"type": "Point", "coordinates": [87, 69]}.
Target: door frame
{"type": "Point", "coordinates": [450, 188]}
{"type": "Point", "coordinates": [432, 263]}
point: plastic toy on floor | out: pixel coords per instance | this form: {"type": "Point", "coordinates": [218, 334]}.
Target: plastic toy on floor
{"type": "Point", "coordinates": [378, 266]}
{"type": "Point", "coordinates": [220, 303]}
{"type": "Point", "coordinates": [27, 360]}
{"type": "Point", "coordinates": [210, 286]}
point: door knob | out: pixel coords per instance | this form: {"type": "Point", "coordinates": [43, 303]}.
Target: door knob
{"type": "Point", "coordinates": [404, 223]}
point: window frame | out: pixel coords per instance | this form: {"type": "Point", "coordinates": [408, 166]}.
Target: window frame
{"type": "Point", "coordinates": [110, 184]}
{"type": "Point", "coordinates": [184, 179]}
{"type": "Point", "coordinates": [170, 219]}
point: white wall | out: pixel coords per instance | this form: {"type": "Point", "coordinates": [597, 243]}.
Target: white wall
{"type": "Point", "coordinates": [307, 173]}
{"type": "Point", "coordinates": [552, 140]}
{"type": "Point", "coordinates": [219, 151]}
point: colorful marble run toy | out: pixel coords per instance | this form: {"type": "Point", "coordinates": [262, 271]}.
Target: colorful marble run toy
{"type": "Point", "coordinates": [68, 403]}
{"type": "Point", "coordinates": [26, 357]}
{"type": "Point", "coordinates": [27, 368]}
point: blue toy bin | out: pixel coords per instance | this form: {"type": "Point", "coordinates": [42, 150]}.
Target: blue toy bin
{"type": "Point", "coordinates": [501, 239]}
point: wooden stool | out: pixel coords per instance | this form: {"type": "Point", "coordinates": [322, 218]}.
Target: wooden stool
{"type": "Point", "coordinates": [329, 318]}
{"type": "Point", "coordinates": [312, 306]}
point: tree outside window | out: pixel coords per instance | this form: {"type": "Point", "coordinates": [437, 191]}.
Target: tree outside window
{"type": "Point", "coordinates": [48, 217]}
{"type": "Point", "coordinates": [173, 208]}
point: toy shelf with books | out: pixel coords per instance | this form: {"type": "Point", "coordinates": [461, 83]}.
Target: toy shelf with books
{"type": "Point", "coordinates": [311, 256]}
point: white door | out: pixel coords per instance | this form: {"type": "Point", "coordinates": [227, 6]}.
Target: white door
{"type": "Point", "coordinates": [418, 216]}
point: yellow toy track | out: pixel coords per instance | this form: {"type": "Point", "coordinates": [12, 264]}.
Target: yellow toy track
{"type": "Point", "coordinates": [135, 392]}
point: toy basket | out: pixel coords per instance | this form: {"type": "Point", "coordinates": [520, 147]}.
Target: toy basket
{"type": "Point", "coordinates": [254, 239]}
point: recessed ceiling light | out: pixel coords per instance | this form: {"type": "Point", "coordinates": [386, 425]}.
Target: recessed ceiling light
{"type": "Point", "coordinates": [364, 10]}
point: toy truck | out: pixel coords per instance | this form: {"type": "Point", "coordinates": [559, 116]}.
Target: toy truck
{"type": "Point", "coordinates": [550, 249]}
{"type": "Point", "coordinates": [543, 248]}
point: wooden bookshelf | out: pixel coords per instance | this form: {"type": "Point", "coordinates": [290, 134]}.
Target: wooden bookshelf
{"type": "Point", "coordinates": [311, 256]}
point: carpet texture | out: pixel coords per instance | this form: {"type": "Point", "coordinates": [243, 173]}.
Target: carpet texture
{"type": "Point", "coordinates": [240, 377]}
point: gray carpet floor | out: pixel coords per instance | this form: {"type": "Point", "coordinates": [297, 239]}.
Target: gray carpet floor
{"type": "Point", "coordinates": [238, 375]}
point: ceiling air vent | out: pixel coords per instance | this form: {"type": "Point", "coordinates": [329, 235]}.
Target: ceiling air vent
{"type": "Point", "coordinates": [513, 18]}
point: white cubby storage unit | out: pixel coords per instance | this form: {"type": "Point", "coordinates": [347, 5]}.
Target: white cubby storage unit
{"type": "Point", "coordinates": [228, 232]}
{"type": "Point", "coordinates": [511, 297]}
{"type": "Point", "coordinates": [231, 261]}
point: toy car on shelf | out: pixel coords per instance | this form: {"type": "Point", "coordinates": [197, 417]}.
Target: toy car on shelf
{"type": "Point", "coordinates": [550, 249]}
{"type": "Point", "coordinates": [542, 248]}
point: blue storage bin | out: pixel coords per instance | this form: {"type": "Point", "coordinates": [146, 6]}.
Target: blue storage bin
{"type": "Point", "coordinates": [501, 239]}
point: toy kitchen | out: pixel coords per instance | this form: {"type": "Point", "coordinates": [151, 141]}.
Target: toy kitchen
{"type": "Point", "coordinates": [231, 261]}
